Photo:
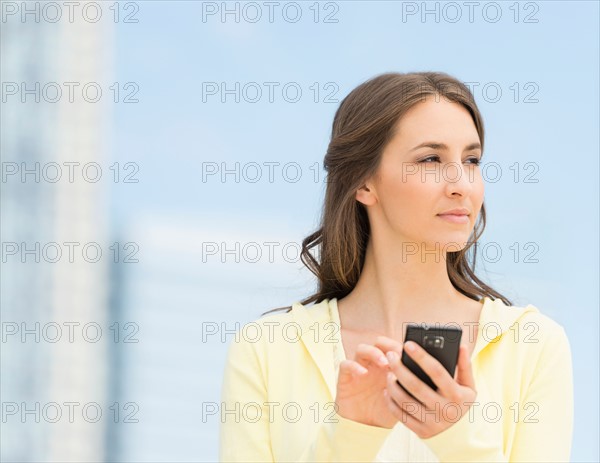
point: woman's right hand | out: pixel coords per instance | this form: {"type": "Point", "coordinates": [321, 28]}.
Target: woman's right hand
{"type": "Point", "coordinates": [360, 387]}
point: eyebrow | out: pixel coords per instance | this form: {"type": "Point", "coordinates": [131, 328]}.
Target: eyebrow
{"type": "Point", "coordinates": [441, 146]}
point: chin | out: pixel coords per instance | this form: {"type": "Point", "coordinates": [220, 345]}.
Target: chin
{"type": "Point", "coordinates": [450, 243]}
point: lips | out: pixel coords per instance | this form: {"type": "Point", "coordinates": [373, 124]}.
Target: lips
{"type": "Point", "coordinates": [455, 218]}
{"type": "Point", "coordinates": [458, 215]}
{"type": "Point", "coordinates": [456, 212]}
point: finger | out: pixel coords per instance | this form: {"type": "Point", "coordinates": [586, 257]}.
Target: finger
{"type": "Point", "coordinates": [430, 365]}
{"type": "Point", "coordinates": [386, 344]}
{"type": "Point", "coordinates": [402, 398]}
{"type": "Point", "coordinates": [402, 415]}
{"type": "Point", "coordinates": [464, 372]}
{"type": "Point", "coordinates": [366, 354]}
{"type": "Point", "coordinates": [349, 370]}
{"type": "Point", "coordinates": [420, 391]}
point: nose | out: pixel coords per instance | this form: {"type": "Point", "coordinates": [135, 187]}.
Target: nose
{"type": "Point", "coordinates": [458, 179]}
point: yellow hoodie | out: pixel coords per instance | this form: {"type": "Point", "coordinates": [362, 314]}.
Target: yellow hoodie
{"type": "Point", "coordinates": [279, 386]}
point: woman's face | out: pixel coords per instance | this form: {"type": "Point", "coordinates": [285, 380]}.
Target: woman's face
{"type": "Point", "coordinates": [415, 183]}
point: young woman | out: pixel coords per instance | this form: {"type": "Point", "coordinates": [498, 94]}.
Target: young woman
{"type": "Point", "coordinates": [403, 207]}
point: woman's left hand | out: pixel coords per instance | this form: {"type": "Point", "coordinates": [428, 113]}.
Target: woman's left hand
{"type": "Point", "coordinates": [433, 411]}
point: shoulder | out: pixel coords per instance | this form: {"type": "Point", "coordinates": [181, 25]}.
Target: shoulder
{"type": "Point", "coordinates": [532, 331]}
{"type": "Point", "coordinates": [541, 325]}
{"type": "Point", "coordinates": [522, 318]}
{"type": "Point", "coordinates": [546, 352]}
{"type": "Point", "coordinates": [280, 330]}
{"type": "Point", "coordinates": [554, 344]}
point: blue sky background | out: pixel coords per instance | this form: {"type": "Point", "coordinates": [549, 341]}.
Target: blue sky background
{"type": "Point", "coordinates": [171, 132]}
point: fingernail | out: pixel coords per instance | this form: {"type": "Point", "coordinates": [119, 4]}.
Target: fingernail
{"type": "Point", "coordinates": [383, 361]}
{"type": "Point", "coordinates": [409, 346]}
{"type": "Point", "coordinates": [391, 356]}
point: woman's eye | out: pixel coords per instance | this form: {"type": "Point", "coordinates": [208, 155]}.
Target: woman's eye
{"type": "Point", "coordinates": [473, 161]}
{"type": "Point", "coordinates": [430, 157]}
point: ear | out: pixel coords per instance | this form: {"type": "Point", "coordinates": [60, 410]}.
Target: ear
{"type": "Point", "coordinates": [366, 194]}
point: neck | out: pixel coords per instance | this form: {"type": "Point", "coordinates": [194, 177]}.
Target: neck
{"type": "Point", "coordinates": [401, 284]}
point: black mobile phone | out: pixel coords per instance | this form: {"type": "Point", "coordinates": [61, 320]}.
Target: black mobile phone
{"type": "Point", "coordinates": [442, 343]}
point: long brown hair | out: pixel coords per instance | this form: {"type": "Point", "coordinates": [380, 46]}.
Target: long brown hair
{"type": "Point", "coordinates": [363, 125]}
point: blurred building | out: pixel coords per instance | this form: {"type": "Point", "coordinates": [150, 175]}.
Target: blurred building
{"type": "Point", "coordinates": [42, 376]}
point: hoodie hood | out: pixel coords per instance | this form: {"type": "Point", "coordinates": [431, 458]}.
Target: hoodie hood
{"type": "Point", "coordinates": [495, 316]}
